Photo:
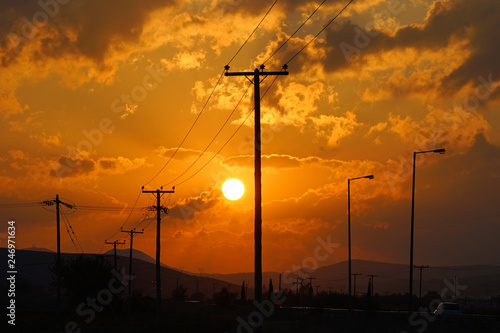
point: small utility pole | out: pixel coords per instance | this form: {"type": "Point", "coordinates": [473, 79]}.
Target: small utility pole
{"type": "Point", "coordinates": [159, 208]}
{"type": "Point", "coordinates": [355, 274]}
{"type": "Point", "coordinates": [310, 280]}
{"type": "Point", "coordinates": [420, 291]}
{"type": "Point", "coordinates": [297, 284]}
{"type": "Point", "coordinates": [114, 247]}
{"type": "Point", "coordinates": [57, 202]}
{"type": "Point", "coordinates": [131, 232]}
{"type": "Point", "coordinates": [279, 285]}
{"type": "Point", "coordinates": [257, 166]}
{"type": "Point", "coordinates": [371, 281]}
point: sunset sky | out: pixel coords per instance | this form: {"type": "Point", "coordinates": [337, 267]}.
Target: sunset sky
{"type": "Point", "coordinates": [95, 97]}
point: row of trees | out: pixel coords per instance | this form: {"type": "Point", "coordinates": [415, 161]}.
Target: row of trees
{"type": "Point", "coordinates": [86, 275]}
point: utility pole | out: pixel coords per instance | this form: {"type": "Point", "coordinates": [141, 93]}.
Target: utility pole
{"type": "Point", "coordinates": [159, 208]}
{"type": "Point", "coordinates": [114, 247]}
{"type": "Point", "coordinates": [371, 281]}
{"type": "Point", "coordinates": [297, 284]}
{"type": "Point", "coordinates": [57, 202]}
{"type": "Point", "coordinates": [420, 291]}
{"type": "Point", "coordinates": [131, 232]}
{"type": "Point", "coordinates": [279, 285]}
{"type": "Point", "coordinates": [310, 280]}
{"type": "Point", "coordinates": [257, 165]}
{"type": "Point", "coordinates": [355, 274]}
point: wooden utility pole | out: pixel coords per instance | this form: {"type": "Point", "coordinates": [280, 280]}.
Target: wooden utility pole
{"type": "Point", "coordinates": [311, 280]}
{"type": "Point", "coordinates": [420, 290]}
{"type": "Point", "coordinates": [131, 232]}
{"type": "Point", "coordinates": [371, 281]}
{"type": "Point", "coordinates": [355, 274]}
{"type": "Point", "coordinates": [114, 247]}
{"type": "Point", "coordinates": [57, 202]}
{"type": "Point", "coordinates": [257, 166]}
{"type": "Point", "coordinates": [159, 208]}
{"type": "Point", "coordinates": [297, 284]}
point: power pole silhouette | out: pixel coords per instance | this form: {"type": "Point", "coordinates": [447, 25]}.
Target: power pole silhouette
{"type": "Point", "coordinates": [131, 232]}
{"type": "Point", "coordinates": [279, 285]}
{"type": "Point", "coordinates": [310, 280]}
{"type": "Point", "coordinates": [257, 165]}
{"type": "Point", "coordinates": [297, 284]}
{"type": "Point", "coordinates": [420, 291]}
{"type": "Point", "coordinates": [371, 281]}
{"type": "Point", "coordinates": [159, 208]}
{"type": "Point", "coordinates": [114, 247]}
{"type": "Point", "coordinates": [58, 202]}
{"type": "Point", "coordinates": [355, 274]}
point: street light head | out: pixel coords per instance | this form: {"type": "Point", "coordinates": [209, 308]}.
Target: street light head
{"type": "Point", "coordinates": [369, 177]}
{"type": "Point", "coordinates": [440, 151]}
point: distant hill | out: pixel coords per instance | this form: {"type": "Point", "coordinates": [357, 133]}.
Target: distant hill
{"type": "Point", "coordinates": [40, 249]}
{"type": "Point", "coordinates": [475, 281]}
{"type": "Point", "coordinates": [34, 269]}
{"type": "Point", "coordinates": [137, 254]}
{"type": "Point", "coordinates": [481, 280]}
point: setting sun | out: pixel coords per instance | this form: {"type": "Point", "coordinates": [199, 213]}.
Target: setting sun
{"type": "Point", "coordinates": [233, 189]}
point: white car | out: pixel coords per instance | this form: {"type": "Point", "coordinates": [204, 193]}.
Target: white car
{"type": "Point", "coordinates": [448, 309]}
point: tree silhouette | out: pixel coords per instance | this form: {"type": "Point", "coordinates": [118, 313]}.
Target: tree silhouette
{"type": "Point", "coordinates": [243, 294]}
{"type": "Point", "coordinates": [271, 288]}
{"type": "Point", "coordinates": [224, 298]}
{"type": "Point", "coordinates": [179, 294]}
{"type": "Point", "coordinates": [84, 276]}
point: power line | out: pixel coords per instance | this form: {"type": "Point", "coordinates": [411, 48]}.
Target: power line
{"type": "Point", "coordinates": [253, 32]}
{"type": "Point", "coordinates": [316, 36]}
{"type": "Point", "coordinates": [68, 225]}
{"type": "Point", "coordinates": [230, 138]}
{"type": "Point", "coordinates": [189, 131]}
{"type": "Point", "coordinates": [126, 220]}
{"type": "Point", "coordinates": [213, 139]}
{"type": "Point", "coordinates": [105, 208]}
{"type": "Point", "coordinates": [209, 97]}
{"type": "Point", "coordinates": [300, 27]}
{"type": "Point", "coordinates": [19, 205]}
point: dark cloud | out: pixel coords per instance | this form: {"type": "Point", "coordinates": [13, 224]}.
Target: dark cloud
{"type": "Point", "coordinates": [180, 153]}
{"type": "Point", "coordinates": [98, 25]}
{"type": "Point", "coordinates": [72, 166]}
{"type": "Point", "coordinates": [187, 209]}
{"type": "Point", "coordinates": [107, 163]}
{"type": "Point", "coordinates": [348, 44]}
{"type": "Point", "coordinates": [447, 22]}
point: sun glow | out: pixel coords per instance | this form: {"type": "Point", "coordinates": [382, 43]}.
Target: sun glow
{"type": "Point", "coordinates": [233, 189]}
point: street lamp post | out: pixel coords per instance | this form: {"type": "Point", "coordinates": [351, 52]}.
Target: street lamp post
{"type": "Point", "coordinates": [440, 151]}
{"type": "Point", "coordinates": [349, 229]}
